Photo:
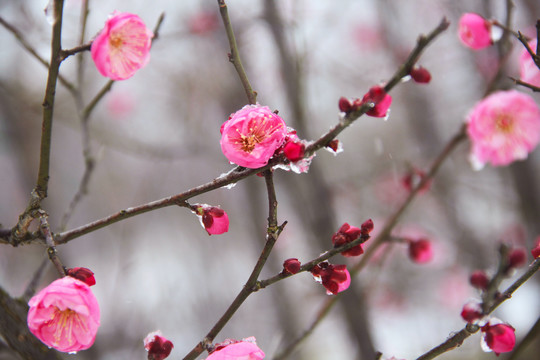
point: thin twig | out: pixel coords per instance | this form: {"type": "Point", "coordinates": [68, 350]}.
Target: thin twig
{"type": "Point", "coordinates": [234, 56]}
{"type": "Point", "coordinates": [378, 240]}
{"type": "Point", "coordinates": [273, 231]}
{"type": "Point", "coordinates": [51, 246]}
{"type": "Point", "coordinates": [458, 338]}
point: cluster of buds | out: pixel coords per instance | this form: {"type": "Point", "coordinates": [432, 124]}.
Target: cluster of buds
{"type": "Point", "coordinates": [335, 278]}
{"type": "Point", "coordinates": [376, 96]}
{"type": "Point", "coordinates": [348, 233]}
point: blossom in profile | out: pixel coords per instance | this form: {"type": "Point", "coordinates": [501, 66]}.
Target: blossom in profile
{"type": "Point", "coordinates": [65, 315]}
{"type": "Point", "coordinates": [420, 251]}
{"type": "Point", "coordinates": [122, 47]}
{"type": "Point", "coordinates": [213, 219]}
{"type": "Point", "coordinates": [499, 338]}
{"type": "Point", "coordinates": [252, 135]}
{"type": "Point", "coordinates": [474, 31]}
{"type": "Point", "coordinates": [503, 127]}
{"type": "Point", "coordinates": [231, 349]}
{"type": "Point", "coordinates": [380, 99]}
{"type": "Point", "coordinates": [335, 278]}
{"type": "Point", "coordinates": [345, 235]}
{"type": "Point", "coordinates": [83, 274]}
{"type": "Point", "coordinates": [157, 345]}
{"type": "Point", "coordinates": [528, 70]}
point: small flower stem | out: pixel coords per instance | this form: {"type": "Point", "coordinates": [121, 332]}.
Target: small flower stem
{"type": "Point", "coordinates": [273, 231]}
{"type": "Point", "coordinates": [234, 56]}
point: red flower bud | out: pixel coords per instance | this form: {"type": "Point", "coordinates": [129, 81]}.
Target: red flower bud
{"type": "Point", "coordinates": [334, 145]}
{"type": "Point", "coordinates": [157, 346]}
{"type": "Point", "coordinates": [214, 220]}
{"type": "Point", "coordinates": [291, 266]}
{"type": "Point", "coordinates": [380, 99]}
{"type": "Point", "coordinates": [344, 105]}
{"type": "Point", "coordinates": [479, 280]}
{"type": "Point", "coordinates": [499, 338]}
{"type": "Point", "coordinates": [471, 312]}
{"type": "Point", "coordinates": [347, 234]}
{"type": "Point", "coordinates": [420, 251]}
{"type": "Point", "coordinates": [294, 151]}
{"type": "Point", "coordinates": [83, 274]}
{"type": "Point", "coordinates": [366, 228]}
{"type": "Point", "coordinates": [335, 278]}
{"type": "Point", "coordinates": [420, 75]}
{"type": "Point", "coordinates": [517, 258]}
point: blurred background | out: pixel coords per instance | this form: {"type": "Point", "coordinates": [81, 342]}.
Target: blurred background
{"type": "Point", "coordinates": [157, 134]}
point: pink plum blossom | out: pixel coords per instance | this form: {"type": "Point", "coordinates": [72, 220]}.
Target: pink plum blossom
{"type": "Point", "coordinates": [335, 278]}
{"type": "Point", "coordinates": [499, 338]}
{"type": "Point", "coordinates": [380, 99]}
{"type": "Point", "coordinates": [157, 345]}
{"type": "Point", "coordinates": [252, 135]}
{"type": "Point", "coordinates": [213, 219]}
{"type": "Point", "coordinates": [503, 127]}
{"type": "Point", "coordinates": [65, 315]}
{"type": "Point", "coordinates": [230, 349]}
{"type": "Point", "coordinates": [474, 31]}
{"type": "Point", "coordinates": [122, 47]}
{"type": "Point", "coordinates": [528, 70]}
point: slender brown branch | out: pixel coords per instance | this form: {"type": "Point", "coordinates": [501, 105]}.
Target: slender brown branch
{"type": "Point", "coordinates": [527, 85]}
{"type": "Point", "coordinates": [234, 56]}
{"type": "Point", "coordinates": [48, 102]}
{"type": "Point", "coordinates": [379, 239]}
{"type": "Point", "coordinates": [273, 231]}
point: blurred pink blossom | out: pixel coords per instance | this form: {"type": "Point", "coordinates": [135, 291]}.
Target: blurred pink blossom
{"type": "Point", "coordinates": [251, 136]}
{"type": "Point", "coordinates": [535, 252]}
{"type": "Point", "coordinates": [420, 251]}
{"type": "Point", "coordinates": [65, 315]}
{"type": "Point", "coordinates": [503, 127]}
{"type": "Point", "coordinates": [122, 47]}
{"type": "Point", "coordinates": [203, 22]}
{"type": "Point", "coordinates": [158, 347]}
{"type": "Point", "coordinates": [230, 349]}
{"type": "Point", "coordinates": [528, 70]}
{"type": "Point", "coordinates": [474, 31]}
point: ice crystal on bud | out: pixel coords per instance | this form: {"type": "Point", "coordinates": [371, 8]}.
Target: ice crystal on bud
{"type": "Point", "coordinates": [474, 31]}
{"type": "Point", "coordinates": [158, 347]}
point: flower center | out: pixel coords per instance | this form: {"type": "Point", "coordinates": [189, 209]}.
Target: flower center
{"type": "Point", "coordinates": [248, 142]}
{"type": "Point", "coordinates": [116, 41]}
{"type": "Point", "coordinates": [63, 322]}
{"type": "Point", "coordinates": [504, 123]}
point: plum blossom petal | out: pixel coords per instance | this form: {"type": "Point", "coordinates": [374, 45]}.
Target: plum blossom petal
{"type": "Point", "coordinates": [65, 315]}
{"type": "Point", "coordinates": [230, 349]}
{"type": "Point", "coordinates": [122, 47]}
{"type": "Point", "coordinates": [252, 135]}
{"type": "Point", "coordinates": [503, 127]}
